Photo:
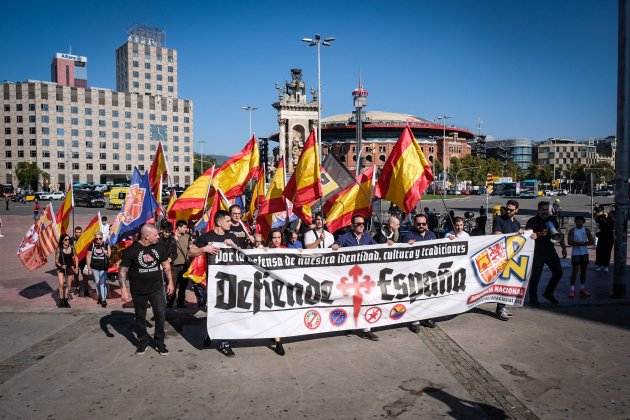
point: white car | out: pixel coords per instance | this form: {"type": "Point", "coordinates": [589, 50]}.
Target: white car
{"type": "Point", "coordinates": [57, 195]}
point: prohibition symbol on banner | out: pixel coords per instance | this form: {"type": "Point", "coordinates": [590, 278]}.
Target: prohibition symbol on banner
{"type": "Point", "coordinates": [373, 314]}
{"type": "Point", "coordinates": [397, 311]}
{"type": "Point", "coordinates": [312, 319]}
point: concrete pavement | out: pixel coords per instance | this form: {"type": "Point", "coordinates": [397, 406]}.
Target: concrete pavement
{"type": "Point", "coordinates": [570, 361]}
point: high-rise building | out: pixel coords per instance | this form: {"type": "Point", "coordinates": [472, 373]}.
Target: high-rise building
{"type": "Point", "coordinates": [562, 153]}
{"type": "Point", "coordinates": [92, 135]}
{"type": "Point", "coordinates": [69, 70]}
{"type": "Point", "coordinates": [518, 151]}
{"type": "Point", "coordinates": [144, 65]}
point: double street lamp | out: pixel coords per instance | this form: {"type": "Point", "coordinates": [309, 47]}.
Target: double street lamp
{"type": "Point", "coordinates": [443, 118]}
{"type": "Point", "coordinates": [317, 41]}
{"type": "Point", "coordinates": [249, 109]}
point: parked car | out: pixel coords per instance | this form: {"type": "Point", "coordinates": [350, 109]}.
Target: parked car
{"type": "Point", "coordinates": [55, 195]}
{"type": "Point", "coordinates": [89, 198]}
{"type": "Point", "coordinates": [604, 193]}
{"type": "Point", "coordinates": [550, 193]}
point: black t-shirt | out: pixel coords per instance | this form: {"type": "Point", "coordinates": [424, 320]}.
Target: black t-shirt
{"type": "Point", "coordinates": [240, 236]}
{"type": "Point", "coordinates": [543, 242]}
{"type": "Point", "coordinates": [169, 247]}
{"type": "Point", "coordinates": [506, 225]}
{"type": "Point", "coordinates": [212, 236]}
{"type": "Point", "coordinates": [145, 269]}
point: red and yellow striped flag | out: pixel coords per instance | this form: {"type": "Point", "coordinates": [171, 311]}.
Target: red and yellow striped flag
{"type": "Point", "coordinates": [258, 195]}
{"type": "Point", "coordinates": [232, 177]}
{"type": "Point", "coordinates": [192, 202]}
{"type": "Point", "coordinates": [48, 232]}
{"type": "Point", "coordinates": [406, 174]}
{"type": "Point", "coordinates": [273, 201]}
{"type": "Point", "coordinates": [355, 199]}
{"type": "Point", "coordinates": [82, 244]}
{"type": "Point", "coordinates": [64, 212]}
{"type": "Point", "coordinates": [159, 169]}
{"type": "Point", "coordinates": [197, 270]}
{"type": "Point", "coordinates": [305, 186]}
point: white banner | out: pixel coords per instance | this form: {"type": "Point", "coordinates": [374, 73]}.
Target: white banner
{"type": "Point", "coordinates": [266, 293]}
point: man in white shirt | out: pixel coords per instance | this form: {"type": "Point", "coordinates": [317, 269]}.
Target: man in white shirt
{"type": "Point", "coordinates": [318, 237]}
{"type": "Point", "coordinates": [105, 229]}
{"type": "Point", "coordinates": [458, 229]}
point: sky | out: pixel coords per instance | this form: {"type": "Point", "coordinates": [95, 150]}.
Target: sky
{"type": "Point", "coordinates": [533, 69]}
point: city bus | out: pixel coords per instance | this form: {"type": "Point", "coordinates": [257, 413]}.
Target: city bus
{"type": "Point", "coordinates": [529, 188]}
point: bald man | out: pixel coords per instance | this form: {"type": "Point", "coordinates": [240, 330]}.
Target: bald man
{"type": "Point", "coordinates": [145, 263]}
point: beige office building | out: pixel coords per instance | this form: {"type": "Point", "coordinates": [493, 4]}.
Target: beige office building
{"type": "Point", "coordinates": [562, 153]}
{"type": "Point", "coordinates": [96, 135]}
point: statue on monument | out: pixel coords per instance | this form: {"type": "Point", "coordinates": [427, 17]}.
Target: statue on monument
{"type": "Point", "coordinates": [296, 88]}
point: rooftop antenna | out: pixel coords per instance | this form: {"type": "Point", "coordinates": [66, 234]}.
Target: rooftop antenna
{"type": "Point", "coordinates": [479, 122]}
{"type": "Point", "coordinates": [70, 48]}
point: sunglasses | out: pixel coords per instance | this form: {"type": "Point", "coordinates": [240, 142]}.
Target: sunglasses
{"type": "Point", "coordinates": [67, 240]}
{"type": "Point", "coordinates": [98, 239]}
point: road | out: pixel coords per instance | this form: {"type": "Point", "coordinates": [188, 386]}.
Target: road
{"type": "Point", "coordinates": [571, 361]}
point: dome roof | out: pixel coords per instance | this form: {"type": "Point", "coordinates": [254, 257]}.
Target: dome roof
{"type": "Point", "coordinates": [376, 117]}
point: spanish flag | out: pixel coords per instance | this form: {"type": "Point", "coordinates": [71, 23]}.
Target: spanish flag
{"type": "Point", "coordinates": [273, 201]}
{"type": "Point", "coordinates": [197, 270]}
{"type": "Point", "coordinates": [65, 211]}
{"type": "Point", "coordinates": [232, 177]}
{"type": "Point", "coordinates": [305, 186]}
{"type": "Point", "coordinates": [193, 201]}
{"type": "Point", "coordinates": [355, 199]}
{"type": "Point", "coordinates": [82, 244]}
{"type": "Point", "coordinates": [258, 195]}
{"type": "Point", "coordinates": [406, 174]}
{"type": "Point", "coordinates": [159, 169]}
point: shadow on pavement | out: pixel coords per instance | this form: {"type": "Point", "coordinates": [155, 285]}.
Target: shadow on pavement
{"type": "Point", "coordinates": [122, 322]}
{"type": "Point", "coordinates": [36, 290]}
{"type": "Point", "coordinates": [461, 409]}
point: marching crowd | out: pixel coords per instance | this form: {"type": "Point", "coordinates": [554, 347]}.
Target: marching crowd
{"type": "Point", "coordinates": [154, 261]}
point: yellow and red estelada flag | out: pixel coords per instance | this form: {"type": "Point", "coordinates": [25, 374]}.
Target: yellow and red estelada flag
{"type": "Point", "coordinates": [354, 200]}
{"type": "Point", "coordinates": [232, 177]}
{"type": "Point", "coordinates": [64, 212]}
{"type": "Point", "coordinates": [406, 174]}
{"type": "Point", "coordinates": [82, 245]}
{"type": "Point", "coordinates": [304, 187]}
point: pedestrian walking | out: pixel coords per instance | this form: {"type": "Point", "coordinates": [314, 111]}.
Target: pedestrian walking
{"type": "Point", "coordinates": [36, 209]}
{"type": "Point", "coordinates": [66, 263]}
{"type": "Point", "coordinates": [545, 228]}
{"type": "Point", "coordinates": [145, 264]}
{"type": "Point", "coordinates": [579, 238]}
{"type": "Point", "coordinates": [97, 261]}
{"type": "Point", "coordinates": [6, 201]}
{"type": "Point", "coordinates": [180, 264]}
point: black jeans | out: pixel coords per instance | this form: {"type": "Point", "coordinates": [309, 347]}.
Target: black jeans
{"type": "Point", "coordinates": [158, 303]}
{"type": "Point", "coordinates": [553, 262]}
{"type": "Point", "coordinates": [180, 285]}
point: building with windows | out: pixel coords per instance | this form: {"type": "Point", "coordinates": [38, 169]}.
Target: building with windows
{"type": "Point", "coordinates": [606, 148]}
{"type": "Point", "coordinates": [519, 151]}
{"type": "Point", "coordinates": [69, 70]}
{"type": "Point", "coordinates": [94, 135]}
{"type": "Point", "coordinates": [562, 153]}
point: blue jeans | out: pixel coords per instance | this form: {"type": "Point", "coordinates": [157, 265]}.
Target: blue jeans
{"type": "Point", "coordinates": [100, 278]}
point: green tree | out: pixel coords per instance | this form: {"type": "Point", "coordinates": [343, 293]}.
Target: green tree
{"type": "Point", "coordinates": [28, 174]}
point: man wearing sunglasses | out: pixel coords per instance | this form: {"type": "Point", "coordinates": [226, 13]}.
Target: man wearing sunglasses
{"type": "Point", "coordinates": [506, 223]}
{"type": "Point", "coordinates": [419, 233]}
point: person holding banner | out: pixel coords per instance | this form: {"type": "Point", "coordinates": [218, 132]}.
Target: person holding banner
{"type": "Point", "coordinates": [357, 236]}
{"type": "Point", "coordinates": [66, 263]}
{"type": "Point", "coordinates": [545, 229]}
{"type": "Point", "coordinates": [505, 224]}
{"type": "Point", "coordinates": [389, 233]}
{"type": "Point", "coordinates": [318, 237]}
{"type": "Point", "coordinates": [458, 231]}
{"type": "Point", "coordinates": [242, 237]}
{"type": "Point", "coordinates": [145, 263]}
{"type": "Point", "coordinates": [419, 233]}
{"type": "Point", "coordinates": [221, 234]}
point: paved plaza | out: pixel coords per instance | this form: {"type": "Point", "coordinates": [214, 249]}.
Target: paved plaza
{"type": "Point", "coordinates": [570, 361]}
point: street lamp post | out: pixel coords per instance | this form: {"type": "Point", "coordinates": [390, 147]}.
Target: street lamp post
{"type": "Point", "coordinates": [443, 118]}
{"type": "Point", "coordinates": [591, 181]}
{"type": "Point", "coordinates": [317, 41]}
{"type": "Point", "coordinates": [201, 142]}
{"type": "Point", "coordinates": [249, 109]}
